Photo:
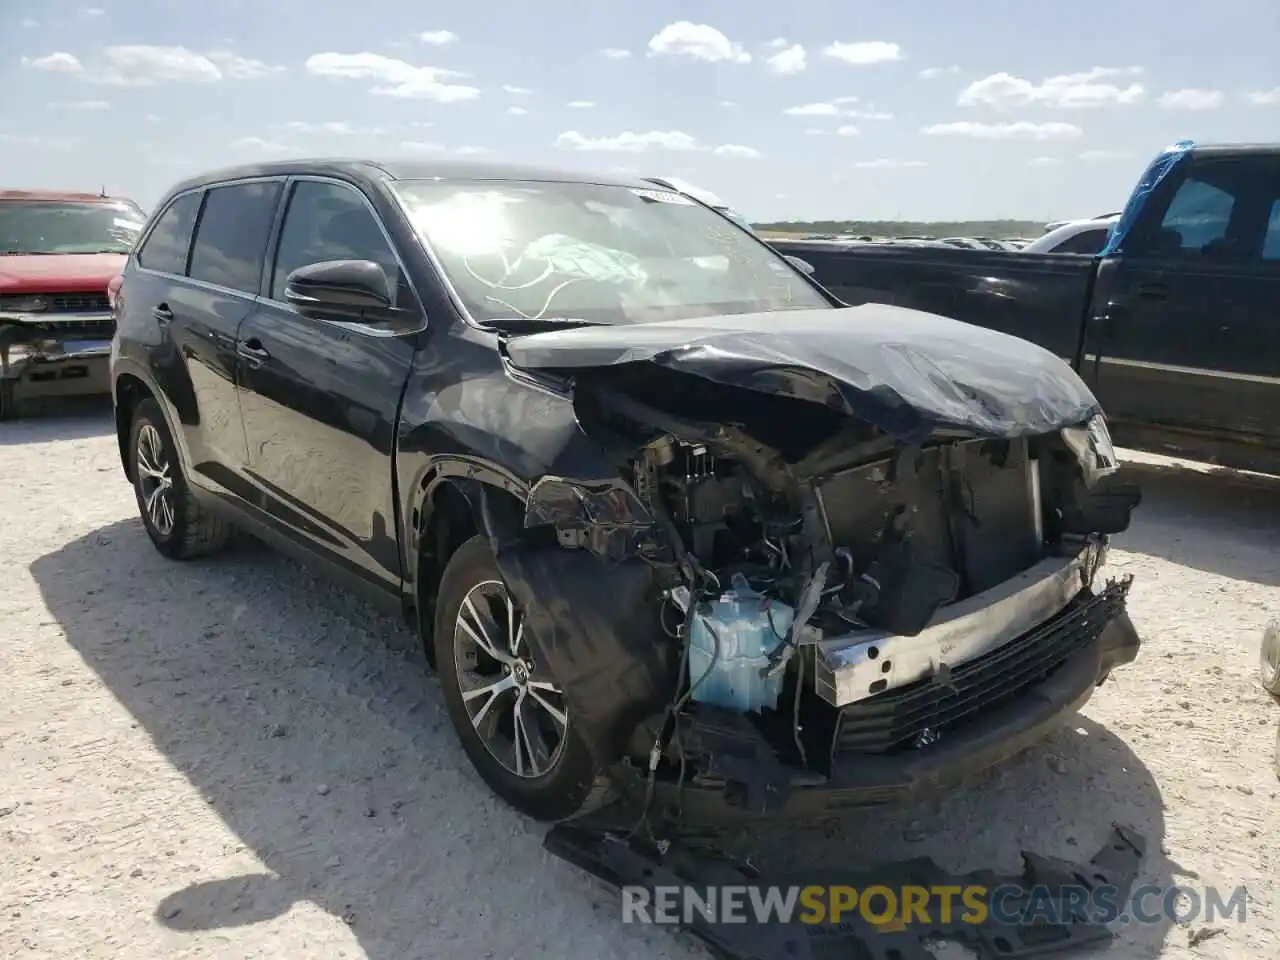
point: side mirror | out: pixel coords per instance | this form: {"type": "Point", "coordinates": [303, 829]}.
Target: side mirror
{"type": "Point", "coordinates": [804, 266]}
{"type": "Point", "coordinates": [339, 286]}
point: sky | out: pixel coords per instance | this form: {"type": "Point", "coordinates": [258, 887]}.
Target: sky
{"type": "Point", "coordinates": [830, 109]}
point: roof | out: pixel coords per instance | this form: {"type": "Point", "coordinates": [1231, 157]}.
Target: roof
{"type": "Point", "coordinates": [1210, 149]}
{"type": "Point", "coordinates": [402, 169]}
{"type": "Point", "coordinates": [60, 196]}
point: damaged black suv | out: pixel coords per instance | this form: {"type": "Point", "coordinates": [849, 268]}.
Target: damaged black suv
{"type": "Point", "coordinates": [667, 515]}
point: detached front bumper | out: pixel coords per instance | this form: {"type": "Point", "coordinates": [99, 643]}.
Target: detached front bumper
{"type": "Point", "coordinates": [44, 355]}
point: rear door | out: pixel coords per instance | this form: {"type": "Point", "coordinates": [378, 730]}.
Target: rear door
{"type": "Point", "coordinates": [1192, 340]}
{"type": "Point", "coordinates": [321, 398]}
{"type": "Point", "coordinates": [204, 313]}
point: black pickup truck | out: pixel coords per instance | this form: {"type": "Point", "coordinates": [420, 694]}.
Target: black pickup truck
{"type": "Point", "coordinates": [1175, 325]}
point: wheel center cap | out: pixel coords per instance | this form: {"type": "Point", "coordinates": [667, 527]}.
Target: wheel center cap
{"type": "Point", "coordinates": [520, 672]}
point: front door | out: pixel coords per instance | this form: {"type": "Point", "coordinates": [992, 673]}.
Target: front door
{"type": "Point", "coordinates": [1193, 340]}
{"type": "Point", "coordinates": [320, 399]}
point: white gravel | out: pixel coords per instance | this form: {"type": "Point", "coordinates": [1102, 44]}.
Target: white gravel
{"type": "Point", "coordinates": [231, 759]}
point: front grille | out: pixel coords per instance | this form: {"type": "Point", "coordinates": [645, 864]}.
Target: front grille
{"type": "Point", "coordinates": [71, 329]}
{"type": "Point", "coordinates": [893, 720]}
{"type": "Point", "coordinates": [79, 302]}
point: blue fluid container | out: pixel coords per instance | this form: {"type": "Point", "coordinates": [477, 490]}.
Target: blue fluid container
{"type": "Point", "coordinates": [749, 627]}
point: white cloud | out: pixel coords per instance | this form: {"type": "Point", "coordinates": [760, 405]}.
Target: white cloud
{"type": "Point", "coordinates": [335, 128]}
{"type": "Point", "coordinates": [813, 110]}
{"type": "Point", "coordinates": [438, 38]}
{"type": "Point", "coordinates": [472, 151]}
{"type": "Point", "coordinates": [1020, 130]}
{"type": "Point", "coordinates": [580, 104]}
{"type": "Point", "coordinates": [628, 142]}
{"type": "Point", "coordinates": [1264, 98]}
{"type": "Point", "coordinates": [394, 78]}
{"type": "Point", "coordinates": [793, 59]}
{"type": "Point", "coordinates": [737, 150]}
{"type": "Point", "coordinates": [30, 23]}
{"type": "Point", "coordinates": [1045, 162]}
{"type": "Point", "coordinates": [868, 114]}
{"type": "Point", "coordinates": [259, 145]}
{"type": "Point", "coordinates": [777, 43]}
{"type": "Point", "coordinates": [728, 104]}
{"type": "Point", "coordinates": [516, 91]}
{"type": "Point", "coordinates": [698, 41]}
{"type": "Point", "coordinates": [933, 73]}
{"type": "Point", "coordinates": [152, 118]}
{"type": "Point", "coordinates": [90, 13]}
{"type": "Point", "coordinates": [1104, 156]}
{"type": "Point", "coordinates": [236, 67]}
{"type": "Point", "coordinates": [141, 65]}
{"type": "Point", "coordinates": [1069, 90]}
{"type": "Point", "coordinates": [55, 63]}
{"type": "Point", "coordinates": [847, 131]}
{"type": "Point", "coordinates": [517, 111]}
{"type": "Point", "coordinates": [615, 53]}
{"type": "Point", "coordinates": [864, 52]}
{"type": "Point", "coordinates": [1191, 99]}
{"type": "Point", "coordinates": [885, 163]}
{"type": "Point", "coordinates": [92, 105]}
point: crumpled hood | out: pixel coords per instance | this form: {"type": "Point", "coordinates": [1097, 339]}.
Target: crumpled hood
{"type": "Point", "coordinates": [904, 371]}
{"type": "Point", "coordinates": [59, 272]}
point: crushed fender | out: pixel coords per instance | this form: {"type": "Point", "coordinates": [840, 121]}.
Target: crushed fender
{"type": "Point", "coordinates": [1051, 888]}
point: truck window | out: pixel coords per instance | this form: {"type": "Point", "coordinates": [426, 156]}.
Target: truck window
{"type": "Point", "coordinates": [1199, 215]}
{"type": "Point", "coordinates": [1271, 242]}
{"type": "Point", "coordinates": [231, 236]}
{"type": "Point", "coordinates": [166, 246]}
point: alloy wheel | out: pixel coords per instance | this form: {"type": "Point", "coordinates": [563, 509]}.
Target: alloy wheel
{"type": "Point", "coordinates": [155, 480]}
{"type": "Point", "coordinates": [518, 713]}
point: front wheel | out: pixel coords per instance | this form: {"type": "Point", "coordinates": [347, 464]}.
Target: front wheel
{"type": "Point", "coordinates": [178, 526]}
{"type": "Point", "coordinates": [510, 715]}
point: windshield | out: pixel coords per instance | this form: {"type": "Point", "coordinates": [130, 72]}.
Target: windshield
{"type": "Point", "coordinates": [604, 254]}
{"type": "Point", "coordinates": [46, 226]}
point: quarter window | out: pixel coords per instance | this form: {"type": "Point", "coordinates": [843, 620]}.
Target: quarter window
{"type": "Point", "coordinates": [1088, 241]}
{"type": "Point", "coordinates": [166, 247]}
{"type": "Point", "coordinates": [329, 221]}
{"type": "Point", "coordinates": [231, 236]}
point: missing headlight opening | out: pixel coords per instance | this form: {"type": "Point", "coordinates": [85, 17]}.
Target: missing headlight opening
{"type": "Point", "coordinates": [830, 592]}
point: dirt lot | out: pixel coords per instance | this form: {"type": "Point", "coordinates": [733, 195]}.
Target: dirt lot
{"type": "Point", "coordinates": [231, 759]}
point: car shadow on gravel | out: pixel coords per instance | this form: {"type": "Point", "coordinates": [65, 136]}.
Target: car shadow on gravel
{"type": "Point", "coordinates": [64, 418]}
{"type": "Point", "coordinates": [1187, 514]}
{"type": "Point", "coordinates": [308, 723]}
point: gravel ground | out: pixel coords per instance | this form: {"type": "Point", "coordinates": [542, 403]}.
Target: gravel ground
{"type": "Point", "coordinates": [231, 759]}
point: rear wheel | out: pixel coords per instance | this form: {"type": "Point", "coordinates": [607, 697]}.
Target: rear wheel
{"type": "Point", "coordinates": [178, 526]}
{"type": "Point", "coordinates": [510, 715]}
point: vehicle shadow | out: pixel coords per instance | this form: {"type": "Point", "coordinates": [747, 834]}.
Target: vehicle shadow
{"type": "Point", "coordinates": [1220, 521]}
{"type": "Point", "coordinates": [63, 418]}
{"type": "Point", "coordinates": [308, 723]}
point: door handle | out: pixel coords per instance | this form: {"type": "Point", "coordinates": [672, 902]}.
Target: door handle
{"type": "Point", "coordinates": [1152, 290]}
{"type": "Point", "coordinates": [252, 352]}
{"type": "Point", "coordinates": [162, 313]}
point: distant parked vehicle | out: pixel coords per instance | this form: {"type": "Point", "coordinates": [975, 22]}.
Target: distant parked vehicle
{"type": "Point", "coordinates": [58, 253]}
{"type": "Point", "coordinates": [1075, 236]}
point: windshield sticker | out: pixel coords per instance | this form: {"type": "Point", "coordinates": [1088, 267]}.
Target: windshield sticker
{"type": "Point", "coordinates": [663, 196]}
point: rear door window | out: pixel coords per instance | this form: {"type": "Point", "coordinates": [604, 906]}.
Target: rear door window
{"type": "Point", "coordinates": [166, 246]}
{"type": "Point", "coordinates": [231, 236]}
{"type": "Point", "coordinates": [1087, 241]}
{"type": "Point", "coordinates": [1199, 215]}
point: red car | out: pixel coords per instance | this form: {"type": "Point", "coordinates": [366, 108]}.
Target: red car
{"type": "Point", "coordinates": [58, 254]}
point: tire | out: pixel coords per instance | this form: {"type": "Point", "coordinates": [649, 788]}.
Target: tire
{"type": "Point", "coordinates": [8, 405]}
{"type": "Point", "coordinates": [1269, 659]}
{"type": "Point", "coordinates": [179, 527]}
{"type": "Point", "coordinates": [558, 780]}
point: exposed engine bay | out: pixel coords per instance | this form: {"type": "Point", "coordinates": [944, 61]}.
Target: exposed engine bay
{"type": "Point", "coordinates": [831, 590]}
